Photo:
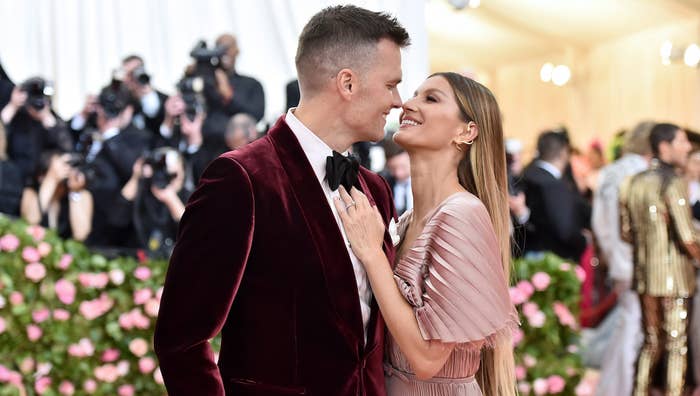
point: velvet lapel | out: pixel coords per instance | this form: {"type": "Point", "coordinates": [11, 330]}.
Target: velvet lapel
{"type": "Point", "coordinates": [333, 256]}
{"type": "Point", "coordinates": [376, 324]}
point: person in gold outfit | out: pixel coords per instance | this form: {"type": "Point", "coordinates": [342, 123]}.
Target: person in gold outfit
{"type": "Point", "coordinates": [656, 219]}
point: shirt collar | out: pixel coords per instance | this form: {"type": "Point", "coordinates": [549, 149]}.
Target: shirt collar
{"type": "Point", "coordinates": [553, 170]}
{"type": "Point", "coordinates": [316, 150]}
{"type": "Point", "coordinates": [110, 133]}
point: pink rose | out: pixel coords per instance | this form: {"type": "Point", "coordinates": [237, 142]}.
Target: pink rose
{"type": "Point", "coordinates": [42, 384]}
{"type": "Point", "coordinates": [33, 332]}
{"type": "Point", "coordinates": [123, 368]}
{"type": "Point", "coordinates": [564, 315]}
{"type": "Point", "coordinates": [152, 306]}
{"type": "Point", "coordinates": [90, 386]}
{"type": "Point", "coordinates": [565, 266]}
{"type": "Point", "coordinates": [82, 349]}
{"type": "Point", "coordinates": [66, 388]}
{"type": "Point", "coordinates": [530, 308]}
{"type": "Point", "coordinates": [9, 243]}
{"type": "Point", "coordinates": [125, 321]}
{"type": "Point", "coordinates": [27, 365]}
{"type": "Point", "coordinates": [65, 291]}
{"type": "Point", "coordinates": [516, 296]}
{"type": "Point", "coordinates": [580, 273]}
{"type": "Point", "coordinates": [65, 261]}
{"type": "Point", "coordinates": [520, 372]}
{"type": "Point", "coordinates": [142, 273]}
{"type": "Point", "coordinates": [142, 295]}
{"type": "Point", "coordinates": [540, 280]}
{"type": "Point", "coordinates": [37, 232]}
{"type": "Point", "coordinates": [116, 276]}
{"type": "Point", "coordinates": [41, 315]}
{"type": "Point", "coordinates": [537, 319]}
{"type": "Point", "coordinates": [556, 384]}
{"type": "Point", "coordinates": [44, 249]}
{"type": "Point", "coordinates": [15, 378]}
{"type": "Point", "coordinates": [110, 355]}
{"type": "Point", "coordinates": [35, 272]}
{"type": "Point", "coordinates": [570, 371]}
{"type": "Point", "coordinates": [146, 365]}
{"type": "Point", "coordinates": [61, 314]}
{"type": "Point", "coordinates": [524, 388]}
{"type": "Point", "coordinates": [30, 254]}
{"type": "Point", "coordinates": [526, 288]}
{"type": "Point", "coordinates": [92, 309]}
{"type": "Point", "coordinates": [3, 326]}
{"type": "Point", "coordinates": [540, 386]}
{"type": "Point", "coordinates": [126, 390]}
{"type": "Point", "coordinates": [16, 298]}
{"type": "Point", "coordinates": [529, 360]}
{"type": "Point", "coordinates": [138, 346]}
{"type": "Point", "coordinates": [583, 389]}
{"type": "Point", "coordinates": [572, 349]}
{"type": "Point", "coordinates": [158, 376]}
{"type": "Point", "coordinates": [107, 373]}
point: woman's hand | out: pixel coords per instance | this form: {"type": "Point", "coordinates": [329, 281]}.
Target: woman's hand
{"type": "Point", "coordinates": [363, 224]}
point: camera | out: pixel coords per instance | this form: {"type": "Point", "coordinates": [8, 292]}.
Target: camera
{"type": "Point", "coordinates": [191, 89]}
{"type": "Point", "coordinates": [158, 161]}
{"type": "Point", "coordinates": [78, 161]}
{"type": "Point", "coordinates": [207, 59]}
{"type": "Point", "coordinates": [38, 92]}
{"type": "Point", "coordinates": [114, 98]}
{"type": "Point", "coordinates": [140, 76]}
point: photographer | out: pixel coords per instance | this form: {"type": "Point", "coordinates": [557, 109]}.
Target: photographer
{"type": "Point", "coordinates": [61, 202]}
{"type": "Point", "coordinates": [149, 110]}
{"type": "Point", "coordinates": [32, 126]}
{"type": "Point", "coordinates": [182, 127]}
{"type": "Point", "coordinates": [108, 164]}
{"type": "Point", "coordinates": [10, 180]}
{"type": "Point", "coordinates": [154, 200]}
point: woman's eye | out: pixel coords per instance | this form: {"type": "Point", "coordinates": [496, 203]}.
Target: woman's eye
{"type": "Point", "coordinates": [430, 98]}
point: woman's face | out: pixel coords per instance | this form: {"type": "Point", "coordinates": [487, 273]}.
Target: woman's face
{"type": "Point", "coordinates": [692, 167]}
{"type": "Point", "coordinates": [431, 118]}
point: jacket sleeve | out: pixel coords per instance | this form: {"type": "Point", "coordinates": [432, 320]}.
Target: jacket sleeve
{"type": "Point", "coordinates": [205, 271]}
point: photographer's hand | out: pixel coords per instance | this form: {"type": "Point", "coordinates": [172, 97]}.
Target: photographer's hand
{"type": "Point", "coordinates": [169, 197]}
{"type": "Point", "coordinates": [45, 116]}
{"type": "Point", "coordinates": [17, 100]}
{"type": "Point", "coordinates": [223, 86]}
{"type": "Point", "coordinates": [132, 186]}
{"type": "Point", "coordinates": [76, 181]}
{"type": "Point", "coordinates": [192, 130]}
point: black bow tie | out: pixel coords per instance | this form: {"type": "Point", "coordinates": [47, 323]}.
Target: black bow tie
{"type": "Point", "coordinates": [341, 170]}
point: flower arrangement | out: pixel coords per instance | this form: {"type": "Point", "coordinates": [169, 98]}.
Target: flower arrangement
{"type": "Point", "coordinates": [547, 297]}
{"type": "Point", "coordinates": [73, 322]}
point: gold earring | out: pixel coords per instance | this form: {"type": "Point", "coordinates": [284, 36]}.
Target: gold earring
{"type": "Point", "coordinates": [469, 141]}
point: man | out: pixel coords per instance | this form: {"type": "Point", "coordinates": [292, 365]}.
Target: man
{"type": "Point", "coordinates": [261, 255]}
{"type": "Point", "coordinates": [240, 131]}
{"type": "Point", "coordinates": [655, 217]}
{"type": "Point", "coordinates": [558, 214]}
{"type": "Point", "coordinates": [235, 93]}
{"type": "Point", "coordinates": [617, 369]}
{"type": "Point", "coordinates": [149, 104]}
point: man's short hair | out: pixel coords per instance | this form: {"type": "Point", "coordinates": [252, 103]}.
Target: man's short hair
{"type": "Point", "coordinates": [550, 145]}
{"type": "Point", "coordinates": [660, 133]}
{"type": "Point", "coordinates": [342, 37]}
{"type": "Point", "coordinates": [637, 140]}
{"type": "Point", "coordinates": [132, 57]}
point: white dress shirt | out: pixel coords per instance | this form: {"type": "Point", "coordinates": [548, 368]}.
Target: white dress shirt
{"type": "Point", "coordinates": [316, 151]}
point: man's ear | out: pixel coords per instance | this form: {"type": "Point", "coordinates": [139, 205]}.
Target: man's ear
{"type": "Point", "coordinates": [346, 83]}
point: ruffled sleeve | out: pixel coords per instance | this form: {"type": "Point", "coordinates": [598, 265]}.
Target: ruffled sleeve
{"type": "Point", "coordinates": [460, 294]}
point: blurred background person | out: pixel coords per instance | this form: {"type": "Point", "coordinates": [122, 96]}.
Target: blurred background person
{"type": "Point", "coordinates": [240, 130]}
{"type": "Point", "coordinates": [153, 200]}
{"type": "Point", "coordinates": [61, 201]}
{"type": "Point", "coordinates": [397, 173]}
{"type": "Point", "coordinates": [32, 126]}
{"type": "Point", "coordinates": [149, 103]}
{"type": "Point", "coordinates": [11, 182]}
{"type": "Point", "coordinates": [558, 214]}
{"type": "Point", "coordinates": [618, 360]}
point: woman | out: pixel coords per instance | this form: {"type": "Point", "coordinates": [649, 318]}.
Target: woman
{"type": "Point", "coordinates": [446, 303]}
{"type": "Point", "coordinates": [61, 201]}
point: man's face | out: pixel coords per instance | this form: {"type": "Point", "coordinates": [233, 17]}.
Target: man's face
{"type": "Point", "coordinates": [128, 68]}
{"type": "Point", "coordinates": [228, 61]}
{"type": "Point", "coordinates": [680, 147]}
{"type": "Point", "coordinates": [376, 93]}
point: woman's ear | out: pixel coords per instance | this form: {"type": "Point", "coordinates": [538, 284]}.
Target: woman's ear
{"type": "Point", "coordinates": [468, 133]}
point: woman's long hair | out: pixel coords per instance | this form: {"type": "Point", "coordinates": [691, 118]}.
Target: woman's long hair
{"type": "Point", "coordinates": [482, 172]}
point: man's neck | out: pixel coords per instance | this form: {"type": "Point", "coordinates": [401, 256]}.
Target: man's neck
{"type": "Point", "coordinates": [326, 124]}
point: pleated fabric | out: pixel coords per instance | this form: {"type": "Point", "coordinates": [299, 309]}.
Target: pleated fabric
{"type": "Point", "coordinates": [454, 279]}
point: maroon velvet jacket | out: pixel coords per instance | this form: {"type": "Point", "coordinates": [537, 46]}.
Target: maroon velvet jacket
{"type": "Point", "coordinates": [259, 257]}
